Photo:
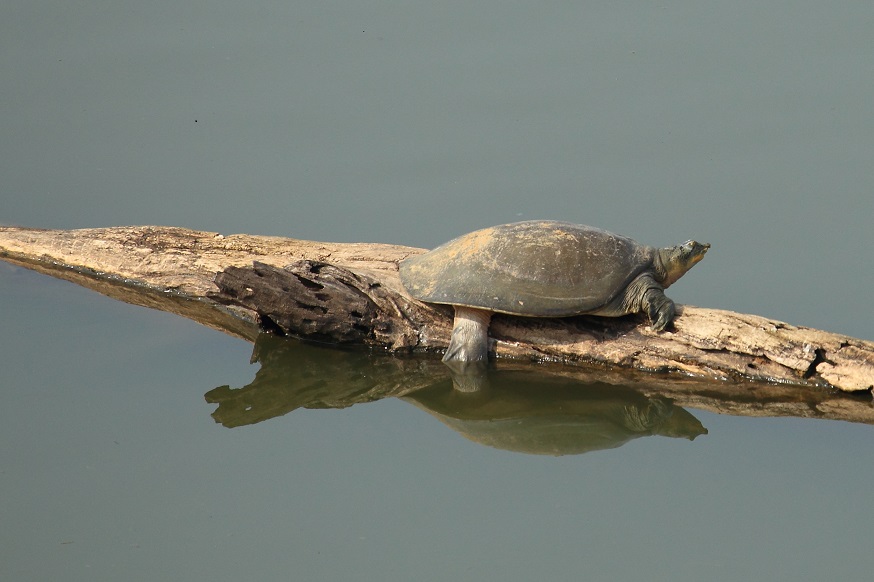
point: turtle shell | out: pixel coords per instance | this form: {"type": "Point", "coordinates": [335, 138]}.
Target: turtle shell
{"type": "Point", "coordinates": [532, 268]}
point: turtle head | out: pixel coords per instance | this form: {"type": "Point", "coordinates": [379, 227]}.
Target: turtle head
{"type": "Point", "coordinates": [672, 263]}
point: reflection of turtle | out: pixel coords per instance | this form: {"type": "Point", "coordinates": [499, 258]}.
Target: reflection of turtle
{"type": "Point", "coordinates": [536, 414]}
{"type": "Point", "coordinates": [544, 269]}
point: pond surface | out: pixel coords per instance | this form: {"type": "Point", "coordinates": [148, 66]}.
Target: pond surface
{"type": "Point", "coordinates": [116, 465]}
{"type": "Point", "coordinates": [135, 445]}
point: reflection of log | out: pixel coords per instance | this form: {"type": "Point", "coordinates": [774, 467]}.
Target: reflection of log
{"type": "Point", "coordinates": [295, 375]}
{"type": "Point", "coordinates": [351, 292]}
{"type": "Point", "coordinates": [522, 410]}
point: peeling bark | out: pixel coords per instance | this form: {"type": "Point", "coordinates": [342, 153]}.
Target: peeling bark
{"type": "Point", "coordinates": [350, 292]}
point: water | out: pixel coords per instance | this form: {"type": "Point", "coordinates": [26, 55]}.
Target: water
{"type": "Point", "coordinates": [742, 125]}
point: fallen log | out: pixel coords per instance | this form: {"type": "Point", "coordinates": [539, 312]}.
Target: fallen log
{"type": "Point", "coordinates": [351, 292]}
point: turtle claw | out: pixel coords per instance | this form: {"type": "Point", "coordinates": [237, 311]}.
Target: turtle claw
{"type": "Point", "coordinates": [661, 323]}
{"type": "Point", "coordinates": [661, 312]}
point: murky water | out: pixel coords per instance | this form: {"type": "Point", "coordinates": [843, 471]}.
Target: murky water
{"type": "Point", "coordinates": [136, 445]}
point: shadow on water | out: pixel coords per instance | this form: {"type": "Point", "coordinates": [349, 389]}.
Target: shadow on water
{"type": "Point", "coordinates": [522, 407]}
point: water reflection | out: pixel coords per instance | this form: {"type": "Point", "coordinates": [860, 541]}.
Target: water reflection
{"type": "Point", "coordinates": [519, 410]}
{"type": "Point", "coordinates": [532, 413]}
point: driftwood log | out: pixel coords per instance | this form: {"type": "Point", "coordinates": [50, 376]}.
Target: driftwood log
{"type": "Point", "coordinates": [351, 293]}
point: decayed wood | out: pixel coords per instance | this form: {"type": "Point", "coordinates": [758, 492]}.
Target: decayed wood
{"type": "Point", "coordinates": [351, 292]}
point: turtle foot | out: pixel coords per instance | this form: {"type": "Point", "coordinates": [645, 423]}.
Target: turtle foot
{"type": "Point", "coordinates": [661, 310]}
{"type": "Point", "coordinates": [470, 336]}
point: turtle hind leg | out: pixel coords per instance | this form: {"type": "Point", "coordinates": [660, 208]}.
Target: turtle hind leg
{"type": "Point", "coordinates": [470, 336]}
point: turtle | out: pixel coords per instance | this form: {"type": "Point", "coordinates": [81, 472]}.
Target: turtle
{"type": "Point", "coordinates": [544, 268]}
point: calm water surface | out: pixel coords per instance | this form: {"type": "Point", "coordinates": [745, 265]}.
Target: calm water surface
{"type": "Point", "coordinates": [749, 126]}
{"type": "Point", "coordinates": [114, 468]}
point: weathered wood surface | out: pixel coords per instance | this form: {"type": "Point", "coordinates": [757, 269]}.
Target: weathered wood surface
{"type": "Point", "coordinates": [351, 292]}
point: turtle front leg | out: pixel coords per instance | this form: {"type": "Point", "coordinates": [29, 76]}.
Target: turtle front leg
{"type": "Point", "coordinates": [643, 294]}
{"type": "Point", "coordinates": [660, 308]}
{"type": "Point", "coordinates": [470, 336]}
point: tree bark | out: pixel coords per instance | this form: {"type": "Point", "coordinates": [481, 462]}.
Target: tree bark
{"type": "Point", "coordinates": [351, 293]}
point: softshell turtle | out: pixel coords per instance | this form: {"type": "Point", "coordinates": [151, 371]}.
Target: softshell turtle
{"type": "Point", "coordinates": [544, 269]}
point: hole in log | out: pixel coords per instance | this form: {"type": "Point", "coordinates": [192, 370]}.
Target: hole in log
{"type": "Point", "coordinates": [357, 314]}
{"type": "Point", "coordinates": [270, 326]}
{"type": "Point", "coordinates": [322, 296]}
{"type": "Point", "coordinates": [307, 307]}
{"type": "Point", "coordinates": [307, 283]}
{"type": "Point", "coordinates": [751, 366]}
{"type": "Point", "coordinates": [818, 358]}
